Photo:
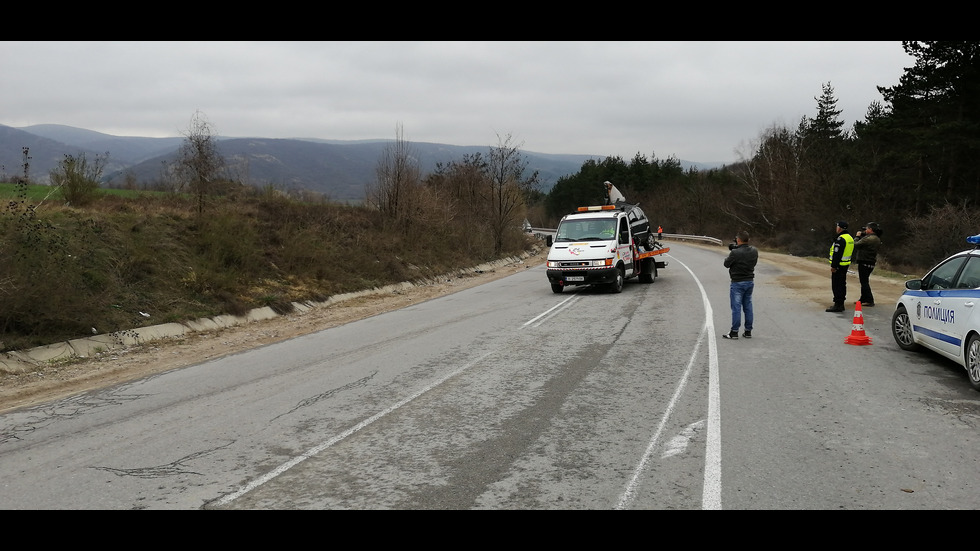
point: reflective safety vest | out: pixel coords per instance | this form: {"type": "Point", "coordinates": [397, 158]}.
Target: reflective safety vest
{"type": "Point", "coordinates": [845, 259]}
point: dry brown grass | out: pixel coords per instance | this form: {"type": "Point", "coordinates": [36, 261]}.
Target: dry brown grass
{"type": "Point", "coordinates": [66, 270]}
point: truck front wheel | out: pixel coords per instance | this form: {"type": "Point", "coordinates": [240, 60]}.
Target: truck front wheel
{"type": "Point", "coordinates": [617, 286]}
{"type": "Point", "coordinates": [557, 287]}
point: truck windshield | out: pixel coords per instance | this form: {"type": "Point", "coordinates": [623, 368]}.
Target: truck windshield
{"type": "Point", "coordinates": [586, 230]}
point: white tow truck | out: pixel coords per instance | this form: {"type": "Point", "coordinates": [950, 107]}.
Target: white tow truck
{"type": "Point", "coordinates": [604, 245]}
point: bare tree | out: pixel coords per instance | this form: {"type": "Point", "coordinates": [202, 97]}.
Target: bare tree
{"type": "Point", "coordinates": [399, 177]}
{"type": "Point", "coordinates": [772, 184]}
{"type": "Point", "coordinates": [198, 162]}
{"type": "Point", "coordinates": [458, 183]}
{"type": "Point", "coordinates": [507, 187]}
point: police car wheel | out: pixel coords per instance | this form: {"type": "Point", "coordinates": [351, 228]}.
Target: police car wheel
{"type": "Point", "coordinates": [557, 287]}
{"type": "Point", "coordinates": [902, 330]}
{"type": "Point", "coordinates": [973, 361]}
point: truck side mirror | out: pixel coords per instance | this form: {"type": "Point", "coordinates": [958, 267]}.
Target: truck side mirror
{"type": "Point", "coordinates": [548, 240]}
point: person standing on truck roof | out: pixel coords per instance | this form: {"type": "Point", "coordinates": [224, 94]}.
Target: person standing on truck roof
{"type": "Point", "coordinates": [741, 263]}
{"type": "Point", "coordinates": [840, 260]}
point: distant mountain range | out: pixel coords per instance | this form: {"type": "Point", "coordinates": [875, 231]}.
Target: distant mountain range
{"type": "Point", "coordinates": [339, 170]}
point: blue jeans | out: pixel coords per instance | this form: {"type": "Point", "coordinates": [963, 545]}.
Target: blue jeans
{"type": "Point", "coordinates": [741, 298]}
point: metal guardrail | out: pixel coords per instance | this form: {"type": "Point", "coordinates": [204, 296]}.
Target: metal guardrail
{"type": "Point", "coordinates": [543, 233]}
{"type": "Point", "coordinates": [702, 238]}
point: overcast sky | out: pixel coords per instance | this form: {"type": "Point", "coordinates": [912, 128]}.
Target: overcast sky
{"type": "Point", "coordinates": [697, 101]}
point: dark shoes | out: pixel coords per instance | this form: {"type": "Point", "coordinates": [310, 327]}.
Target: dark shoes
{"type": "Point", "coordinates": [865, 304]}
{"type": "Point", "coordinates": [835, 308]}
{"type": "Point", "coordinates": [731, 335]}
{"type": "Point", "coordinates": [747, 334]}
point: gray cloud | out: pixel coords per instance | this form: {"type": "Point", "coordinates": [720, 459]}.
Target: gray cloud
{"type": "Point", "coordinates": [698, 101]}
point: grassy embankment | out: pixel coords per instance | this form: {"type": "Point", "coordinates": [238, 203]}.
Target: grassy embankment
{"type": "Point", "coordinates": [136, 258]}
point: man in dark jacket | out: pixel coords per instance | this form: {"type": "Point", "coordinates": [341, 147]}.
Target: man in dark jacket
{"type": "Point", "coordinates": [741, 263]}
{"type": "Point", "coordinates": [867, 241]}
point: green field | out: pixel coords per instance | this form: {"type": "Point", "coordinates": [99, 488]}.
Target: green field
{"type": "Point", "coordinates": [37, 193]}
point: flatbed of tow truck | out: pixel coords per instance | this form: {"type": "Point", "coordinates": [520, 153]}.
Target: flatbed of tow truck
{"type": "Point", "coordinates": [648, 254]}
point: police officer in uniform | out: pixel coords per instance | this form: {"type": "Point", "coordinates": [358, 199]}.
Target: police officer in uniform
{"type": "Point", "coordinates": [840, 259]}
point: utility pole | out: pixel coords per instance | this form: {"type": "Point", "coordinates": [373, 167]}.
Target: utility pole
{"type": "Point", "coordinates": [27, 164]}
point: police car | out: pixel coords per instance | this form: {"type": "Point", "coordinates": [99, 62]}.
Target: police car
{"type": "Point", "coordinates": [941, 311]}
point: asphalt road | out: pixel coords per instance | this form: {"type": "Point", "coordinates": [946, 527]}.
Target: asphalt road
{"type": "Point", "coordinates": [508, 396]}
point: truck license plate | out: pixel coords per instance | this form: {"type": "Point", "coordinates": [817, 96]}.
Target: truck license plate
{"type": "Point", "coordinates": [575, 278]}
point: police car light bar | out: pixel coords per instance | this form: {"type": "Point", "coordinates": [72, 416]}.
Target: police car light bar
{"type": "Point", "coordinates": [602, 207]}
{"type": "Point", "coordinates": [974, 240]}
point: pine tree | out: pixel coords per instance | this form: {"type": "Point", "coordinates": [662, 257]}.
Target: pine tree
{"type": "Point", "coordinates": [936, 106]}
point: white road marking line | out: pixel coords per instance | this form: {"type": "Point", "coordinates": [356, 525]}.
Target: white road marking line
{"type": "Point", "coordinates": [711, 492]}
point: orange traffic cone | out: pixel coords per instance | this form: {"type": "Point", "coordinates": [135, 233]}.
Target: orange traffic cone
{"type": "Point", "coordinates": [857, 328]}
